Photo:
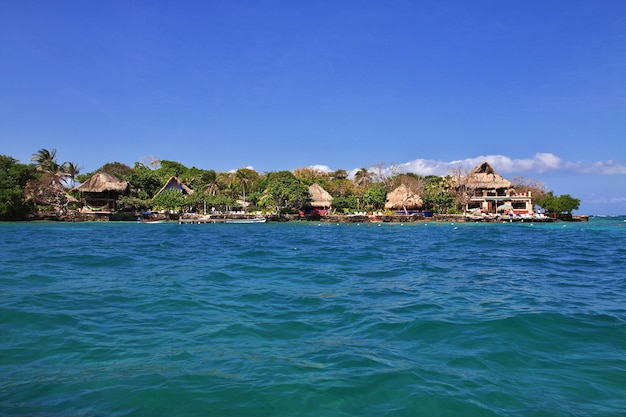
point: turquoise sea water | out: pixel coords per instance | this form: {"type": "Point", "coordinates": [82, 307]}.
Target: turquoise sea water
{"type": "Point", "coordinates": [308, 319]}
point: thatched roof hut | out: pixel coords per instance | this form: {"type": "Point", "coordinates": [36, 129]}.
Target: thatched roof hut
{"type": "Point", "coordinates": [174, 183]}
{"type": "Point", "coordinates": [101, 192]}
{"type": "Point", "coordinates": [403, 198]}
{"type": "Point", "coordinates": [319, 196]}
{"type": "Point", "coordinates": [102, 182]}
{"type": "Point", "coordinates": [483, 177]}
{"type": "Point", "coordinates": [48, 190]}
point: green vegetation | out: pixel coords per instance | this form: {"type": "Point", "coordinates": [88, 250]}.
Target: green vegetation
{"type": "Point", "coordinates": [562, 205]}
{"type": "Point", "coordinates": [13, 179]}
{"type": "Point", "coordinates": [46, 185]}
{"type": "Point", "coordinates": [285, 193]}
{"type": "Point", "coordinates": [169, 200]}
{"type": "Point", "coordinates": [375, 197]}
{"type": "Point", "coordinates": [437, 194]}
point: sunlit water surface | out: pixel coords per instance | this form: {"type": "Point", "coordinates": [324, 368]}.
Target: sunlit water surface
{"type": "Point", "coordinates": [302, 319]}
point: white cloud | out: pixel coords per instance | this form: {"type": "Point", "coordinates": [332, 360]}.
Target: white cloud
{"type": "Point", "coordinates": [607, 200]}
{"type": "Point", "coordinates": [232, 171]}
{"type": "Point", "coordinates": [548, 160]}
{"type": "Point", "coordinates": [322, 168]}
{"type": "Point", "coordinates": [427, 167]}
{"type": "Point", "coordinates": [597, 168]}
{"type": "Point", "coordinates": [539, 163]}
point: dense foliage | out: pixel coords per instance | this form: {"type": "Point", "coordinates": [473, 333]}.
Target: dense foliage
{"type": "Point", "coordinates": [242, 189]}
{"type": "Point", "coordinates": [13, 179]}
{"type": "Point", "coordinates": [560, 205]}
{"type": "Point", "coordinates": [375, 196]}
{"type": "Point", "coordinates": [284, 192]}
{"type": "Point", "coordinates": [437, 195]}
{"type": "Point", "coordinates": [169, 200]}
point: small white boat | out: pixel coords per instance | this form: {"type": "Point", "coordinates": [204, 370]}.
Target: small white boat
{"type": "Point", "coordinates": [151, 221]}
{"type": "Point", "coordinates": [150, 217]}
{"type": "Point", "coordinates": [245, 221]}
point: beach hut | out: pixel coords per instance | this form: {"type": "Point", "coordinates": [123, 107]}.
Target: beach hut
{"type": "Point", "coordinates": [490, 192]}
{"type": "Point", "coordinates": [403, 198]}
{"type": "Point", "coordinates": [174, 183]}
{"type": "Point", "coordinates": [100, 192]}
{"type": "Point", "coordinates": [484, 179]}
{"type": "Point", "coordinates": [321, 200]}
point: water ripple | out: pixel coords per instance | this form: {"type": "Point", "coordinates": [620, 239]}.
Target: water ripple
{"type": "Point", "coordinates": [295, 319]}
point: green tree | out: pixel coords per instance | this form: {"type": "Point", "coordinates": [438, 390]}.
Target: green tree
{"type": "Point", "coordinates": [245, 179]}
{"type": "Point", "coordinates": [197, 200]}
{"type": "Point", "coordinates": [220, 202]}
{"type": "Point", "coordinates": [170, 169]}
{"type": "Point", "coordinates": [254, 198]}
{"type": "Point", "coordinates": [375, 197]}
{"type": "Point", "coordinates": [562, 205]}
{"type": "Point", "coordinates": [349, 203]}
{"type": "Point", "coordinates": [202, 201]}
{"type": "Point", "coordinates": [13, 179]}
{"type": "Point", "coordinates": [133, 203]}
{"type": "Point", "coordinates": [208, 182]}
{"type": "Point", "coordinates": [71, 171]}
{"type": "Point", "coordinates": [46, 161]}
{"type": "Point", "coordinates": [436, 194]}
{"type": "Point", "coordinates": [340, 188]}
{"type": "Point", "coordinates": [363, 178]}
{"type": "Point", "coordinates": [193, 177]}
{"type": "Point", "coordinates": [169, 200]}
{"type": "Point", "coordinates": [284, 192]}
{"type": "Point", "coordinates": [144, 181]}
{"type": "Point", "coordinates": [340, 174]}
{"type": "Point", "coordinates": [309, 176]}
{"type": "Point", "coordinates": [117, 169]}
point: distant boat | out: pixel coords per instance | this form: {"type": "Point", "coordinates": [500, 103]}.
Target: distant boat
{"type": "Point", "coordinates": [149, 217]}
{"type": "Point", "coordinates": [151, 221]}
{"type": "Point", "coordinates": [245, 221]}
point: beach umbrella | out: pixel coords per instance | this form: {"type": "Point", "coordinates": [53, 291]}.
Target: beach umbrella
{"type": "Point", "coordinates": [505, 206]}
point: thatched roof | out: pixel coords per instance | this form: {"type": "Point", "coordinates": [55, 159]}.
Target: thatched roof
{"type": "Point", "coordinates": [402, 197]}
{"type": "Point", "coordinates": [484, 177]}
{"type": "Point", "coordinates": [48, 190]}
{"type": "Point", "coordinates": [101, 182]}
{"type": "Point", "coordinates": [243, 203]}
{"type": "Point", "coordinates": [319, 196]}
{"type": "Point", "coordinates": [174, 183]}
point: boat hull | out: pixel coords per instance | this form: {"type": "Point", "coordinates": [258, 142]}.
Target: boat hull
{"type": "Point", "coordinates": [246, 221]}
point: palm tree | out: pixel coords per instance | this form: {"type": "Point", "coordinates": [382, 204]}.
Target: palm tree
{"type": "Point", "coordinates": [46, 161]}
{"type": "Point", "coordinates": [210, 185]}
{"type": "Point", "coordinates": [242, 177]}
{"type": "Point", "coordinates": [211, 188]}
{"type": "Point", "coordinates": [340, 174]}
{"type": "Point", "coordinates": [363, 177]}
{"type": "Point", "coordinates": [231, 187]}
{"type": "Point", "coordinates": [71, 170]}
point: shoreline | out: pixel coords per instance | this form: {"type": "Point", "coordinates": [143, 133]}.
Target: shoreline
{"type": "Point", "coordinates": [274, 218]}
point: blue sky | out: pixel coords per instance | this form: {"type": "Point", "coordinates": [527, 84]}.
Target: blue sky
{"type": "Point", "coordinates": [537, 88]}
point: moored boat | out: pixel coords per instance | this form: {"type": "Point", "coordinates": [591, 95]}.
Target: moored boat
{"type": "Point", "coordinates": [150, 217]}
{"type": "Point", "coordinates": [245, 221]}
